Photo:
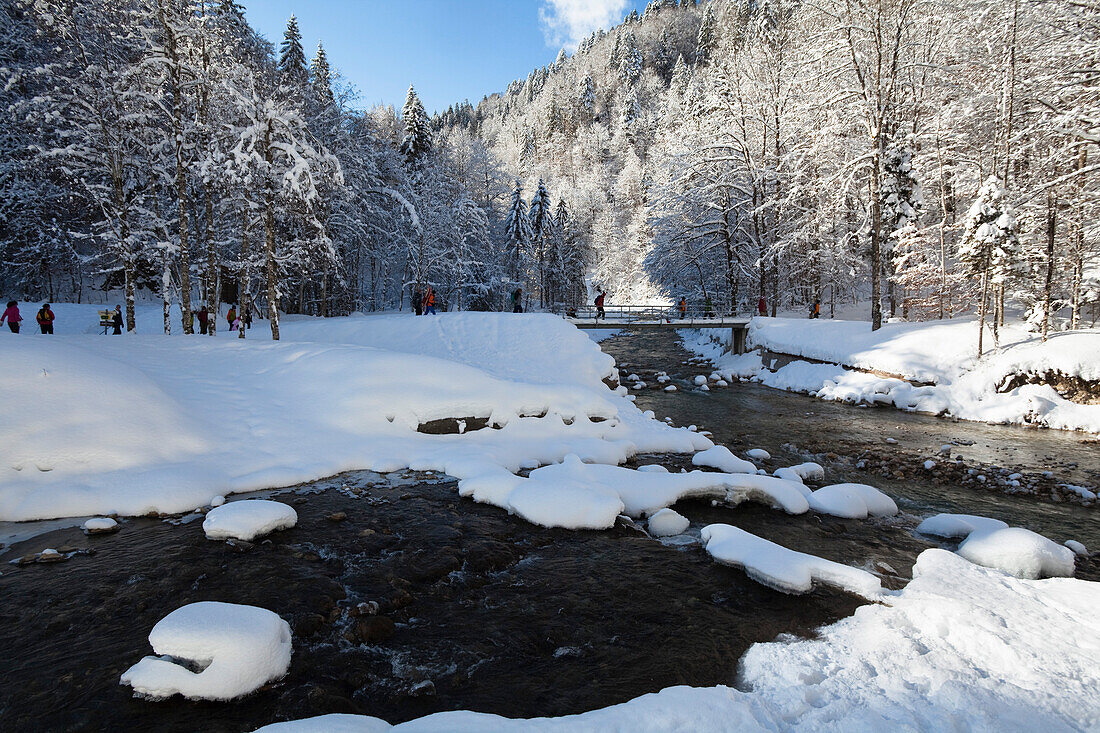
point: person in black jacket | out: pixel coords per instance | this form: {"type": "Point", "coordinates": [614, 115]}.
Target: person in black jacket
{"type": "Point", "coordinates": [116, 320]}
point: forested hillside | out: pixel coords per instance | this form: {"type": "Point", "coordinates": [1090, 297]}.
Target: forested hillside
{"type": "Point", "coordinates": [929, 156]}
{"type": "Point", "coordinates": [939, 155]}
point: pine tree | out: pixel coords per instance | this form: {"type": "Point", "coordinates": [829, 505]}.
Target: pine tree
{"type": "Point", "coordinates": [707, 39]}
{"type": "Point", "coordinates": [292, 57]}
{"type": "Point", "coordinates": [516, 233]}
{"type": "Point", "coordinates": [322, 77]}
{"type": "Point", "coordinates": [630, 67]}
{"type": "Point", "coordinates": [417, 141]}
{"type": "Point", "coordinates": [988, 244]}
{"type": "Point", "coordinates": [540, 220]}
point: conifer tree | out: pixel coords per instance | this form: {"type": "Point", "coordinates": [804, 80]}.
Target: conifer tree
{"type": "Point", "coordinates": [707, 38]}
{"type": "Point", "coordinates": [516, 232]}
{"type": "Point", "coordinates": [292, 57]}
{"type": "Point", "coordinates": [417, 141]}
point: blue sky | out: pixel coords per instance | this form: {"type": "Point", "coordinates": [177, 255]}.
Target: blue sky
{"type": "Point", "coordinates": [449, 49]}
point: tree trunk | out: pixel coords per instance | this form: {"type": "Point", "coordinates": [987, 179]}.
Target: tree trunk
{"type": "Point", "coordinates": [213, 294]}
{"type": "Point", "coordinates": [244, 295]}
{"type": "Point", "coordinates": [1048, 280]}
{"type": "Point", "coordinates": [876, 233]}
{"type": "Point", "coordinates": [269, 243]}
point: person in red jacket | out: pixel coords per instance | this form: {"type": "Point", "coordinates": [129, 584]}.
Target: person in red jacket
{"type": "Point", "coordinates": [11, 315]}
{"type": "Point", "coordinates": [599, 306]}
{"type": "Point", "coordinates": [762, 306]}
{"type": "Point", "coordinates": [45, 318]}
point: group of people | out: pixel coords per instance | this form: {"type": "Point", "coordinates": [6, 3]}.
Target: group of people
{"type": "Point", "coordinates": [45, 317]}
{"type": "Point", "coordinates": [235, 321]}
{"type": "Point", "coordinates": [424, 303]}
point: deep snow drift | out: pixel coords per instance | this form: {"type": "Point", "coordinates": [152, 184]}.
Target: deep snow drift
{"type": "Point", "coordinates": [239, 648]}
{"type": "Point", "coordinates": [135, 424]}
{"type": "Point", "coordinates": [940, 352]}
{"type": "Point", "coordinates": [960, 648]}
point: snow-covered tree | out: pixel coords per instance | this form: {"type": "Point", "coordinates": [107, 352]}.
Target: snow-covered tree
{"type": "Point", "coordinates": [988, 244]}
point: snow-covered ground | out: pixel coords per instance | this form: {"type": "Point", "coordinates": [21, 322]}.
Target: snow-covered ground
{"type": "Point", "coordinates": [95, 425]}
{"type": "Point", "coordinates": [960, 648]}
{"type": "Point", "coordinates": [134, 424]}
{"type": "Point", "coordinates": [940, 352]}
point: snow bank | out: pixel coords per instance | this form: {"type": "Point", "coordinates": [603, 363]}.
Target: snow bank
{"type": "Point", "coordinates": [138, 424]}
{"type": "Point", "coordinates": [578, 495]}
{"type": "Point", "coordinates": [722, 458]}
{"type": "Point", "coordinates": [780, 568]}
{"type": "Point", "coordinates": [239, 649]}
{"type": "Point", "coordinates": [248, 519]}
{"type": "Point", "coordinates": [852, 501]}
{"type": "Point", "coordinates": [667, 523]}
{"type": "Point", "coordinates": [959, 648]}
{"type": "Point", "coordinates": [1019, 552]}
{"type": "Point", "coordinates": [941, 352]}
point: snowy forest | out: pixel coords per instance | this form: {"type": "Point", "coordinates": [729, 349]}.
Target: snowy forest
{"type": "Point", "coordinates": [922, 158]}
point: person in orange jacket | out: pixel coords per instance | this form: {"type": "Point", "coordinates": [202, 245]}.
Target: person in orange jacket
{"type": "Point", "coordinates": [429, 301]}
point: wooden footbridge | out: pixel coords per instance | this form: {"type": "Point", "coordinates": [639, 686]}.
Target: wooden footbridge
{"type": "Point", "coordinates": [659, 316]}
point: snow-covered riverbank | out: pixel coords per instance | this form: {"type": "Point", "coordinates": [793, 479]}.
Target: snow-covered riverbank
{"type": "Point", "coordinates": [939, 352]}
{"type": "Point", "coordinates": [150, 423]}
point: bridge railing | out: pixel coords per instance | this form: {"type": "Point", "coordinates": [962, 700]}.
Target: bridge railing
{"type": "Point", "coordinates": [630, 313]}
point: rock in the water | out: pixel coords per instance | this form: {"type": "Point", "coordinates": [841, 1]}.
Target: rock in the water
{"type": "Point", "coordinates": [100, 525]}
{"type": "Point", "coordinates": [373, 629]}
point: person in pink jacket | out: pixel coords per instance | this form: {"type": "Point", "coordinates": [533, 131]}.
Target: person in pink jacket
{"type": "Point", "coordinates": [12, 316]}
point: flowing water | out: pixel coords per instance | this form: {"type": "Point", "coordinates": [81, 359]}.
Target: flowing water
{"type": "Point", "coordinates": [477, 609]}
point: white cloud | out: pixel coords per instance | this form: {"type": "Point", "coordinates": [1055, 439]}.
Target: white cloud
{"type": "Point", "coordinates": [565, 23]}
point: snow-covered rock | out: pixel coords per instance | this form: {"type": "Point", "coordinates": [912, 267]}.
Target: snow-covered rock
{"type": "Point", "coordinates": [653, 468]}
{"type": "Point", "coordinates": [808, 471]}
{"type": "Point", "coordinates": [100, 525]}
{"type": "Point", "coordinates": [852, 501]}
{"type": "Point", "coordinates": [781, 568]}
{"type": "Point", "coordinates": [1078, 549]}
{"type": "Point", "coordinates": [567, 503]}
{"type": "Point", "coordinates": [577, 495]}
{"type": "Point", "coordinates": [958, 525]}
{"type": "Point", "coordinates": [248, 519]}
{"type": "Point", "coordinates": [722, 458]}
{"type": "Point", "coordinates": [1019, 552]}
{"type": "Point", "coordinates": [239, 647]}
{"type": "Point", "coordinates": [667, 523]}
{"type": "Point", "coordinates": [700, 380]}
{"type": "Point", "coordinates": [758, 453]}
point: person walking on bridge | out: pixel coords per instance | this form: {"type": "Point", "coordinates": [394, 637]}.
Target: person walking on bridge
{"type": "Point", "coordinates": [599, 306]}
{"type": "Point", "coordinates": [683, 306]}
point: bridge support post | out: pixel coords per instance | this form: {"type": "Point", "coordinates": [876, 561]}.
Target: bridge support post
{"type": "Point", "coordinates": [738, 342]}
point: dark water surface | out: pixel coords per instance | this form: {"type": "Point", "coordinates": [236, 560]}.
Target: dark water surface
{"type": "Point", "coordinates": [477, 609]}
